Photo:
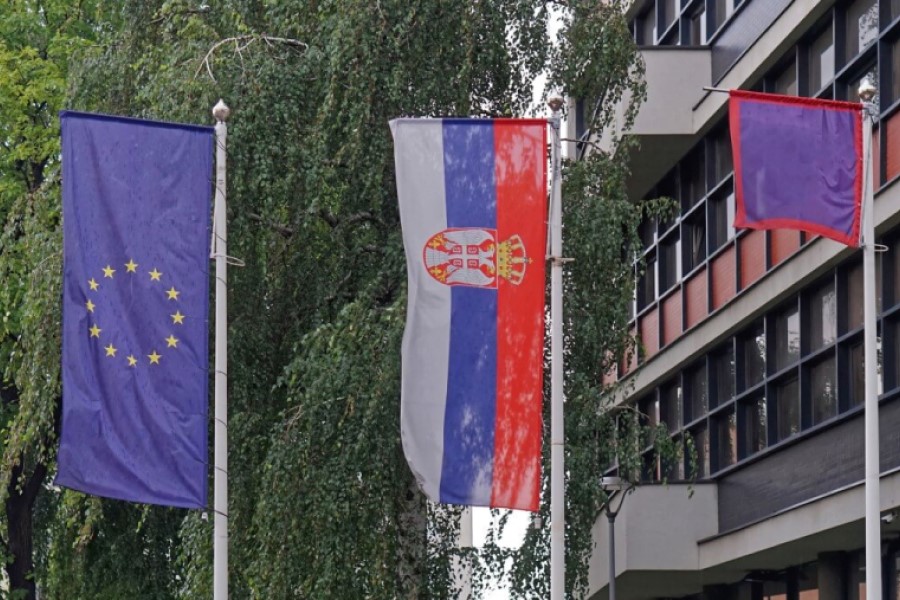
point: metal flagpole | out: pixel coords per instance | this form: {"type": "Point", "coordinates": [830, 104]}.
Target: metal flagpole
{"type": "Point", "coordinates": [220, 252]}
{"type": "Point", "coordinates": [557, 429]}
{"type": "Point", "coordinates": [873, 499]}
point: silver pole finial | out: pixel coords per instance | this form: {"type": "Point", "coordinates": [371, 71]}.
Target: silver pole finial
{"type": "Point", "coordinates": [221, 111]}
{"type": "Point", "coordinates": [867, 89]}
{"type": "Point", "coordinates": [555, 102]}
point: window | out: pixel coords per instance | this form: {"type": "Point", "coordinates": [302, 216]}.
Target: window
{"type": "Point", "coordinates": [647, 27]}
{"type": "Point", "coordinates": [726, 439]}
{"type": "Point", "coordinates": [693, 177]}
{"type": "Point", "coordinates": [862, 26]}
{"type": "Point", "coordinates": [855, 303]}
{"type": "Point", "coordinates": [694, 232]}
{"type": "Point", "coordinates": [895, 71]}
{"type": "Point", "coordinates": [787, 337]}
{"type": "Point", "coordinates": [670, 12]}
{"type": "Point", "coordinates": [647, 231]}
{"type": "Point", "coordinates": [787, 401]}
{"type": "Point", "coordinates": [722, 10]}
{"type": "Point", "coordinates": [670, 406]}
{"type": "Point", "coordinates": [753, 347]}
{"type": "Point", "coordinates": [858, 372]}
{"type": "Point", "coordinates": [786, 82]}
{"type": "Point", "coordinates": [894, 9]}
{"type": "Point", "coordinates": [647, 284]}
{"type": "Point", "coordinates": [722, 361]}
{"type": "Point", "coordinates": [823, 391]}
{"type": "Point", "coordinates": [822, 317]}
{"type": "Point", "coordinates": [721, 207]}
{"type": "Point", "coordinates": [722, 155]}
{"type": "Point", "coordinates": [700, 437]}
{"type": "Point", "coordinates": [669, 262]}
{"type": "Point", "coordinates": [821, 60]}
{"type": "Point", "coordinates": [649, 408]}
{"type": "Point", "coordinates": [698, 399]}
{"type": "Point", "coordinates": [753, 427]}
{"type": "Point", "coordinates": [853, 86]}
{"type": "Point", "coordinates": [697, 35]}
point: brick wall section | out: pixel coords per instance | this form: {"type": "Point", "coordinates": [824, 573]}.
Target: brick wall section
{"type": "Point", "coordinates": [650, 333]}
{"type": "Point", "coordinates": [696, 299]}
{"type": "Point", "coordinates": [784, 243]}
{"type": "Point", "coordinates": [753, 257]}
{"type": "Point", "coordinates": [723, 278]}
{"type": "Point", "coordinates": [672, 318]}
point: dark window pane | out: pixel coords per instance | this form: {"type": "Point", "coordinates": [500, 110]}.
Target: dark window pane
{"type": "Point", "coordinates": [723, 371]}
{"type": "Point", "coordinates": [862, 26]}
{"type": "Point", "coordinates": [723, 10]}
{"type": "Point", "coordinates": [697, 390]}
{"type": "Point", "coordinates": [786, 81]}
{"type": "Point", "coordinates": [700, 437]}
{"type": "Point", "coordinates": [693, 177]}
{"type": "Point", "coordinates": [787, 337]}
{"type": "Point", "coordinates": [695, 239]}
{"type": "Point", "coordinates": [726, 440]}
{"type": "Point", "coordinates": [670, 11]}
{"type": "Point", "coordinates": [895, 70]}
{"type": "Point", "coordinates": [721, 208]}
{"type": "Point", "coordinates": [648, 27]}
{"type": "Point", "coordinates": [670, 406]}
{"type": "Point", "coordinates": [647, 231]}
{"type": "Point", "coordinates": [821, 61]}
{"type": "Point", "coordinates": [894, 257]}
{"type": "Point", "coordinates": [670, 262]}
{"type": "Point", "coordinates": [676, 467]}
{"type": "Point", "coordinates": [753, 430]}
{"type": "Point", "coordinates": [753, 346]}
{"type": "Point", "coordinates": [650, 470]}
{"type": "Point", "coordinates": [787, 400]}
{"type": "Point", "coordinates": [823, 390]}
{"type": "Point", "coordinates": [722, 147]}
{"type": "Point", "coordinates": [647, 284]}
{"type": "Point", "coordinates": [895, 12]}
{"type": "Point", "coordinates": [698, 26]}
{"type": "Point", "coordinates": [822, 317]}
{"type": "Point", "coordinates": [854, 296]}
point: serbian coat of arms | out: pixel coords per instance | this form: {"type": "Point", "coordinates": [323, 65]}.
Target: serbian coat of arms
{"type": "Point", "coordinates": [474, 257]}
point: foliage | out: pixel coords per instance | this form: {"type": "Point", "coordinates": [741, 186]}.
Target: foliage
{"type": "Point", "coordinates": [321, 501]}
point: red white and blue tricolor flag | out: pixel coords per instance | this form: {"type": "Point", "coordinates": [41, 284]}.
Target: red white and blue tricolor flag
{"type": "Point", "coordinates": [798, 164]}
{"type": "Point", "coordinates": [473, 198]}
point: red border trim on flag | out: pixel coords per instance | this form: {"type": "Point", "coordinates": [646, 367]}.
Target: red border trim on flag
{"type": "Point", "coordinates": [735, 98]}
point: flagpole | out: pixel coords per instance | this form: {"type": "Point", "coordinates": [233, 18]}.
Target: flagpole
{"type": "Point", "coordinates": [873, 494]}
{"type": "Point", "coordinates": [220, 252]}
{"type": "Point", "coordinates": [557, 428]}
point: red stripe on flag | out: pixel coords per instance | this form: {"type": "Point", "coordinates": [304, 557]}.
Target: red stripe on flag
{"type": "Point", "coordinates": [520, 151]}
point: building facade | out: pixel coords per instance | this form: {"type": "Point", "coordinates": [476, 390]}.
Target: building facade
{"type": "Point", "coordinates": [752, 341]}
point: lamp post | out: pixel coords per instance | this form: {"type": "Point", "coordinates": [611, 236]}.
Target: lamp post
{"type": "Point", "coordinates": [616, 489]}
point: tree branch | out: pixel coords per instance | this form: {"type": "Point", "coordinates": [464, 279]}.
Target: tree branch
{"type": "Point", "coordinates": [283, 230]}
{"type": "Point", "coordinates": [241, 42]}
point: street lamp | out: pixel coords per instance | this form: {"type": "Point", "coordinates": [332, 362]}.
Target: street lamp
{"type": "Point", "coordinates": [616, 489]}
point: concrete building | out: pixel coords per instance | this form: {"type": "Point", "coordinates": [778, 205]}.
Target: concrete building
{"type": "Point", "coordinates": [752, 341]}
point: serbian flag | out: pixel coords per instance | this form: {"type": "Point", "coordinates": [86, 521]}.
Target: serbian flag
{"type": "Point", "coordinates": [798, 164]}
{"type": "Point", "coordinates": [472, 196]}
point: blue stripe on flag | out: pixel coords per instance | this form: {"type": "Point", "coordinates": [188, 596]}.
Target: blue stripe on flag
{"type": "Point", "coordinates": [467, 467]}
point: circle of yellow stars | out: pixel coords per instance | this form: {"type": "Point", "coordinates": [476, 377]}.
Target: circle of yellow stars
{"type": "Point", "coordinates": [95, 331]}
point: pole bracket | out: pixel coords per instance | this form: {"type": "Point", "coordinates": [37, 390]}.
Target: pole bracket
{"type": "Point", "coordinates": [559, 260]}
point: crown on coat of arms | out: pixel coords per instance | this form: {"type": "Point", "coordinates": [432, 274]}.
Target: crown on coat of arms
{"type": "Point", "coordinates": [512, 260]}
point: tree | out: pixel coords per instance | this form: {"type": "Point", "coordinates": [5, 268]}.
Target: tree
{"type": "Point", "coordinates": [322, 503]}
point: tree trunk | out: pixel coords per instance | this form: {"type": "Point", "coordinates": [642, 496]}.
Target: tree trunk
{"type": "Point", "coordinates": [19, 521]}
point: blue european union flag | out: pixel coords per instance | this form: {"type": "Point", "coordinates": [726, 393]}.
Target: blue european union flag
{"type": "Point", "coordinates": [136, 224]}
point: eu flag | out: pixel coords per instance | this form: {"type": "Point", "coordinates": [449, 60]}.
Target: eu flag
{"type": "Point", "coordinates": [136, 212]}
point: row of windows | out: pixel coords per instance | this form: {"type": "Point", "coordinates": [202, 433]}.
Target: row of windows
{"type": "Point", "coordinates": [789, 371]}
{"type": "Point", "coordinates": [845, 45]}
{"type": "Point", "coordinates": [684, 23]}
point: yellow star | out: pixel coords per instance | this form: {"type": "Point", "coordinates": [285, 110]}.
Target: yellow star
{"type": "Point", "coordinates": [132, 361]}
{"type": "Point", "coordinates": [155, 275]}
{"type": "Point", "coordinates": [90, 306]}
{"type": "Point", "coordinates": [110, 350]}
{"type": "Point", "coordinates": [95, 331]}
{"type": "Point", "coordinates": [172, 341]}
{"type": "Point", "coordinates": [173, 293]}
{"type": "Point", "coordinates": [93, 283]}
{"type": "Point", "coordinates": [177, 318]}
{"type": "Point", "coordinates": [131, 266]}
{"type": "Point", "coordinates": [108, 271]}
{"type": "Point", "coordinates": [154, 358]}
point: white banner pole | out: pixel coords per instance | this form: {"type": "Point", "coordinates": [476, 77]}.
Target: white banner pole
{"type": "Point", "coordinates": [220, 252]}
{"type": "Point", "coordinates": [557, 428]}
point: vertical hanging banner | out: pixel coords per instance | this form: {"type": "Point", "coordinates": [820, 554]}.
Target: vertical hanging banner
{"type": "Point", "coordinates": [798, 164]}
{"type": "Point", "coordinates": [473, 207]}
{"type": "Point", "coordinates": [136, 212]}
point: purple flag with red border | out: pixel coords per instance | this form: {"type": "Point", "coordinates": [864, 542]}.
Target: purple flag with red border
{"type": "Point", "coordinates": [798, 164]}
